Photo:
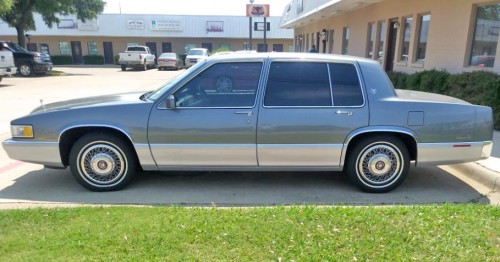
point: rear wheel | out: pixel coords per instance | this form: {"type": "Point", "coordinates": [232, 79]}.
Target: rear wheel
{"type": "Point", "coordinates": [102, 162]}
{"type": "Point", "coordinates": [25, 69]}
{"type": "Point", "coordinates": [124, 67]}
{"type": "Point", "coordinates": [378, 164]}
{"type": "Point", "coordinates": [145, 67]}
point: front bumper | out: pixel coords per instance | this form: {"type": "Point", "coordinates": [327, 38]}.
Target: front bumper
{"type": "Point", "coordinates": [42, 67]}
{"type": "Point", "coordinates": [44, 153]}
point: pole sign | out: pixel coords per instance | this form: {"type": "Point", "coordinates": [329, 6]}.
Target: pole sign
{"type": "Point", "coordinates": [258, 10]}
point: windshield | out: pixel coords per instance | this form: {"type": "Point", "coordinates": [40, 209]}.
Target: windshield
{"type": "Point", "coordinates": [173, 82]}
{"type": "Point", "coordinates": [196, 52]}
{"type": "Point", "coordinates": [17, 47]}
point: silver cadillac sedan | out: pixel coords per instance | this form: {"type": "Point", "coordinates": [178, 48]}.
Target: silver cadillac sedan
{"type": "Point", "coordinates": [263, 112]}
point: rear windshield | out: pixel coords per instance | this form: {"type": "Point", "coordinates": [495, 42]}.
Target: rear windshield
{"type": "Point", "coordinates": [136, 48]}
{"type": "Point", "coordinates": [196, 52]}
{"type": "Point", "coordinates": [168, 55]}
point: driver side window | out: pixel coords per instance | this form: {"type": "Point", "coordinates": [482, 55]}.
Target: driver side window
{"type": "Point", "coordinates": [225, 85]}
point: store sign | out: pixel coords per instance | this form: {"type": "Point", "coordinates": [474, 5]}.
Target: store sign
{"type": "Point", "coordinates": [135, 24]}
{"type": "Point", "coordinates": [66, 24]}
{"type": "Point", "coordinates": [162, 25]}
{"type": "Point", "coordinates": [215, 26]}
{"type": "Point", "coordinates": [258, 10]}
{"type": "Point", "coordinates": [88, 25]}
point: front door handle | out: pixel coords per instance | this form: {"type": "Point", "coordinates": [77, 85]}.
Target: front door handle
{"type": "Point", "coordinates": [340, 112]}
{"type": "Point", "coordinates": [248, 113]}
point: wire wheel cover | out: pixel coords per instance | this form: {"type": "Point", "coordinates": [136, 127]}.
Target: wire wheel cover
{"type": "Point", "coordinates": [379, 164]}
{"type": "Point", "coordinates": [102, 164]}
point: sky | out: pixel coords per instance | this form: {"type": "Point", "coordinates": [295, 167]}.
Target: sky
{"type": "Point", "coordinates": [190, 7]}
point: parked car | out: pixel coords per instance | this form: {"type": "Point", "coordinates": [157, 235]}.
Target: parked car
{"type": "Point", "coordinates": [483, 61]}
{"type": "Point", "coordinates": [314, 111]}
{"type": "Point", "coordinates": [7, 67]}
{"type": "Point", "coordinates": [28, 63]}
{"type": "Point", "coordinates": [196, 54]}
{"type": "Point", "coordinates": [138, 57]}
{"type": "Point", "coordinates": [170, 60]}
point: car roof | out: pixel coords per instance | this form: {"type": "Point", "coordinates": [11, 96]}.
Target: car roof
{"type": "Point", "coordinates": [291, 56]}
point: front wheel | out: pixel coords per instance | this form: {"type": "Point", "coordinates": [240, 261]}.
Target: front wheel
{"type": "Point", "coordinates": [378, 164]}
{"type": "Point", "coordinates": [101, 162]}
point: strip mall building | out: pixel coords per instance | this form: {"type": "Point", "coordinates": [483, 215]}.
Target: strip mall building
{"type": "Point", "coordinates": [403, 35]}
{"type": "Point", "coordinates": [110, 34]}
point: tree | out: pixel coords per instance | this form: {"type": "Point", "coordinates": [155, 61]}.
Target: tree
{"type": "Point", "coordinates": [20, 16]}
{"type": "Point", "coordinates": [5, 6]}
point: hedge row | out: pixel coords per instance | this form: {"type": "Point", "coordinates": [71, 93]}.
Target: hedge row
{"type": "Point", "coordinates": [68, 60]}
{"type": "Point", "coordinates": [478, 87]}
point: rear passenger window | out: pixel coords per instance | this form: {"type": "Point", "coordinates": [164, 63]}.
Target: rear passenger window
{"type": "Point", "coordinates": [345, 85]}
{"type": "Point", "coordinates": [298, 84]}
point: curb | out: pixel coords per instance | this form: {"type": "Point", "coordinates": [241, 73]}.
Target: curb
{"type": "Point", "coordinates": [484, 175]}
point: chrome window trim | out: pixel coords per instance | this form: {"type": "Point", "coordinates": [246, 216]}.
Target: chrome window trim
{"type": "Point", "coordinates": [327, 62]}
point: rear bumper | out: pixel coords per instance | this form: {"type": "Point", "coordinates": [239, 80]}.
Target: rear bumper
{"type": "Point", "coordinates": [45, 153]}
{"type": "Point", "coordinates": [8, 71]}
{"type": "Point", "coordinates": [452, 153]}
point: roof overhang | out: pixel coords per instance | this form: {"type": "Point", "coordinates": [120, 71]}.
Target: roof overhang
{"type": "Point", "coordinates": [319, 10]}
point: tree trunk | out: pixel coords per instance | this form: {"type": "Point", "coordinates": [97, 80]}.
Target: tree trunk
{"type": "Point", "coordinates": [21, 40]}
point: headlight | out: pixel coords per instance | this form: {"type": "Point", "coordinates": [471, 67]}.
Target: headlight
{"type": "Point", "coordinates": [37, 59]}
{"type": "Point", "coordinates": [21, 131]}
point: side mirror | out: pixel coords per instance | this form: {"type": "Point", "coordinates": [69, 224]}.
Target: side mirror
{"type": "Point", "coordinates": [171, 101]}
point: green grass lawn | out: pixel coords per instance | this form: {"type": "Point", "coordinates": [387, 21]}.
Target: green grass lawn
{"type": "Point", "coordinates": [299, 233]}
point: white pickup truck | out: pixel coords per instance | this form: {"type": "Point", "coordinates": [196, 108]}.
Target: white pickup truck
{"type": "Point", "coordinates": [139, 57]}
{"type": "Point", "coordinates": [7, 67]}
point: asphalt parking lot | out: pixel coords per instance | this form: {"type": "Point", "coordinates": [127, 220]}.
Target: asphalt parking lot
{"type": "Point", "coordinates": [23, 184]}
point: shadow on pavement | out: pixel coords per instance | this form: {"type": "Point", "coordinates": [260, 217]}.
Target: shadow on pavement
{"type": "Point", "coordinates": [424, 185]}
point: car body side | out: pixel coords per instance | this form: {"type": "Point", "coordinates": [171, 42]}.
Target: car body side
{"type": "Point", "coordinates": [434, 131]}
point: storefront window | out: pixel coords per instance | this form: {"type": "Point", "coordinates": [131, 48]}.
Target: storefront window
{"type": "Point", "coordinates": [484, 46]}
{"type": "Point", "coordinates": [92, 48]}
{"type": "Point", "coordinates": [64, 48]}
{"type": "Point", "coordinates": [424, 22]}
{"type": "Point", "coordinates": [381, 41]}
{"type": "Point", "coordinates": [371, 40]}
{"type": "Point", "coordinates": [44, 49]}
{"type": "Point", "coordinates": [405, 47]}
{"type": "Point", "coordinates": [345, 41]}
{"type": "Point", "coordinates": [188, 47]}
{"type": "Point", "coordinates": [224, 46]}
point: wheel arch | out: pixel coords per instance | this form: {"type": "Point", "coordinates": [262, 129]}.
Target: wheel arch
{"type": "Point", "coordinates": [70, 135]}
{"type": "Point", "coordinates": [408, 137]}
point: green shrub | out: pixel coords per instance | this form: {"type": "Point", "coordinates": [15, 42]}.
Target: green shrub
{"type": "Point", "coordinates": [93, 60]}
{"type": "Point", "coordinates": [61, 59]}
{"type": "Point", "coordinates": [478, 87]}
{"type": "Point", "coordinates": [117, 57]}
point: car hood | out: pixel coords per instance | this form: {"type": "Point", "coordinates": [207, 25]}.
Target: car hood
{"type": "Point", "coordinates": [425, 96]}
{"type": "Point", "coordinates": [106, 100]}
